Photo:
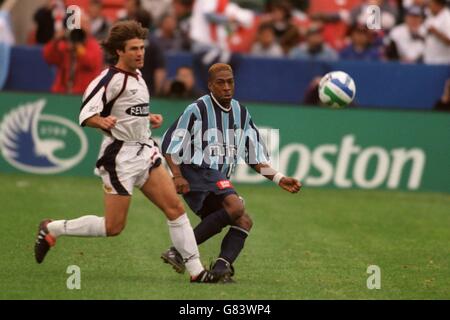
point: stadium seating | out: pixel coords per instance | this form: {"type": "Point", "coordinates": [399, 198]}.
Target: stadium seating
{"type": "Point", "coordinates": [110, 7]}
{"type": "Point", "coordinates": [379, 84]}
{"type": "Point", "coordinates": [81, 3]}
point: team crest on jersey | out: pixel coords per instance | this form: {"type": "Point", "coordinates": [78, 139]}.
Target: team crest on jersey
{"type": "Point", "coordinates": [40, 143]}
{"type": "Point", "coordinates": [141, 110]}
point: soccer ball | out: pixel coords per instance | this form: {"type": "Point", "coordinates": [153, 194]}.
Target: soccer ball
{"type": "Point", "coordinates": [337, 89]}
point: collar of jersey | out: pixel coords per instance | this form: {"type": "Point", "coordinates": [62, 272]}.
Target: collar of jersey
{"type": "Point", "coordinates": [218, 104]}
{"type": "Point", "coordinates": [126, 72]}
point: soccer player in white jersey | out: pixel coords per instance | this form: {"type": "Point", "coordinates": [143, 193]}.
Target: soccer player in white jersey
{"type": "Point", "coordinates": [117, 103]}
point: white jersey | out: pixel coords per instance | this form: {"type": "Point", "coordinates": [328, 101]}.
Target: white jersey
{"type": "Point", "coordinates": [436, 51]}
{"type": "Point", "coordinates": [409, 48]}
{"type": "Point", "coordinates": [212, 33]}
{"type": "Point", "coordinates": [123, 95]}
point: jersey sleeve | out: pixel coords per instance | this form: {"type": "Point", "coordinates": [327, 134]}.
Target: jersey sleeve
{"type": "Point", "coordinates": [245, 17]}
{"type": "Point", "coordinates": [255, 147]}
{"type": "Point", "coordinates": [98, 94]}
{"type": "Point", "coordinates": [179, 134]}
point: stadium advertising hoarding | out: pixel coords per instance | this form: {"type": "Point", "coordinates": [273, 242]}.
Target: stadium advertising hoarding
{"type": "Point", "coordinates": [345, 148]}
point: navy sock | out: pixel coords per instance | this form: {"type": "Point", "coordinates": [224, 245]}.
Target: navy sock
{"type": "Point", "coordinates": [211, 225]}
{"type": "Point", "coordinates": [232, 244]}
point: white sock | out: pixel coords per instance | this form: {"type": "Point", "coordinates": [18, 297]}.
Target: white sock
{"type": "Point", "coordinates": [86, 226]}
{"type": "Point", "coordinates": [183, 240]}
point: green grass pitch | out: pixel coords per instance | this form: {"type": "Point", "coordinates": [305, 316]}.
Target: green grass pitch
{"type": "Point", "coordinates": [315, 245]}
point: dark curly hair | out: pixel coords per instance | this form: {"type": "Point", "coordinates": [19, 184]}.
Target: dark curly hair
{"type": "Point", "coordinates": [120, 33]}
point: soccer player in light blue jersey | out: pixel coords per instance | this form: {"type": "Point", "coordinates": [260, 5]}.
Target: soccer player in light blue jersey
{"type": "Point", "coordinates": [201, 148]}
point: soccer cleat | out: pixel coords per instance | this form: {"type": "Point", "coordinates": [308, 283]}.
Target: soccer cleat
{"type": "Point", "coordinates": [224, 274]}
{"type": "Point", "coordinates": [43, 241]}
{"type": "Point", "coordinates": [206, 277]}
{"type": "Point", "coordinates": [174, 258]}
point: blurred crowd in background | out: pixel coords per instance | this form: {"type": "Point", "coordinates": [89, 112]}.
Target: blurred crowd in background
{"type": "Point", "coordinates": [408, 31]}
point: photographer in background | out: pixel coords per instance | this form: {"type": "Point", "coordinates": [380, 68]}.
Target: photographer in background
{"type": "Point", "coordinates": [77, 56]}
{"type": "Point", "coordinates": [183, 85]}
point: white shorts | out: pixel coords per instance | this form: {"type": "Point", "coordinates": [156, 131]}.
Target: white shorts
{"type": "Point", "coordinates": [123, 165]}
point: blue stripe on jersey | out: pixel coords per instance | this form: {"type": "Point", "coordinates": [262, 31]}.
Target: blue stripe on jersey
{"type": "Point", "coordinates": [226, 139]}
{"type": "Point", "coordinates": [185, 122]}
{"type": "Point", "coordinates": [245, 118]}
{"type": "Point", "coordinates": [212, 126]}
{"type": "Point", "coordinates": [262, 155]}
{"type": "Point", "coordinates": [239, 135]}
{"type": "Point", "coordinates": [165, 141]}
{"type": "Point", "coordinates": [236, 114]}
{"type": "Point", "coordinates": [220, 140]}
{"type": "Point", "coordinates": [204, 120]}
{"type": "Point", "coordinates": [198, 136]}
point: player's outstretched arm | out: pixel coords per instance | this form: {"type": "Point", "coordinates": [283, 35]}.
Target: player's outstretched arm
{"type": "Point", "coordinates": [287, 183]}
{"type": "Point", "coordinates": [290, 184]}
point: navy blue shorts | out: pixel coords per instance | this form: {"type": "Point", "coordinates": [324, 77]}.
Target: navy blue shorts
{"type": "Point", "coordinates": [208, 188]}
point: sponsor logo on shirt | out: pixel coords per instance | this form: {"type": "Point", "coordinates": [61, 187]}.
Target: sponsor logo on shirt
{"type": "Point", "coordinates": [224, 184]}
{"type": "Point", "coordinates": [141, 110]}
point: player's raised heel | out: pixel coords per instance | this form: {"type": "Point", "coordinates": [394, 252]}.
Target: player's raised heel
{"type": "Point", "coordinates": [174, 258]}
{"type": "Point", "coordinates": [43, 241]}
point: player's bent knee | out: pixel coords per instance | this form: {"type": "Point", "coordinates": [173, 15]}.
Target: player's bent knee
{"type": "Point", "coordinates": [245, 222]}
{"type": "Point", "coordinates": [175, 210]}
{"type": "Point", "coordinates": [248, 221]}
{"type": "Point", "coordinates": [237, 212]}
{"type": "Point", "coordinates": [234, 207]}
{"type": "Point", "coordinates": [113, 230]}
